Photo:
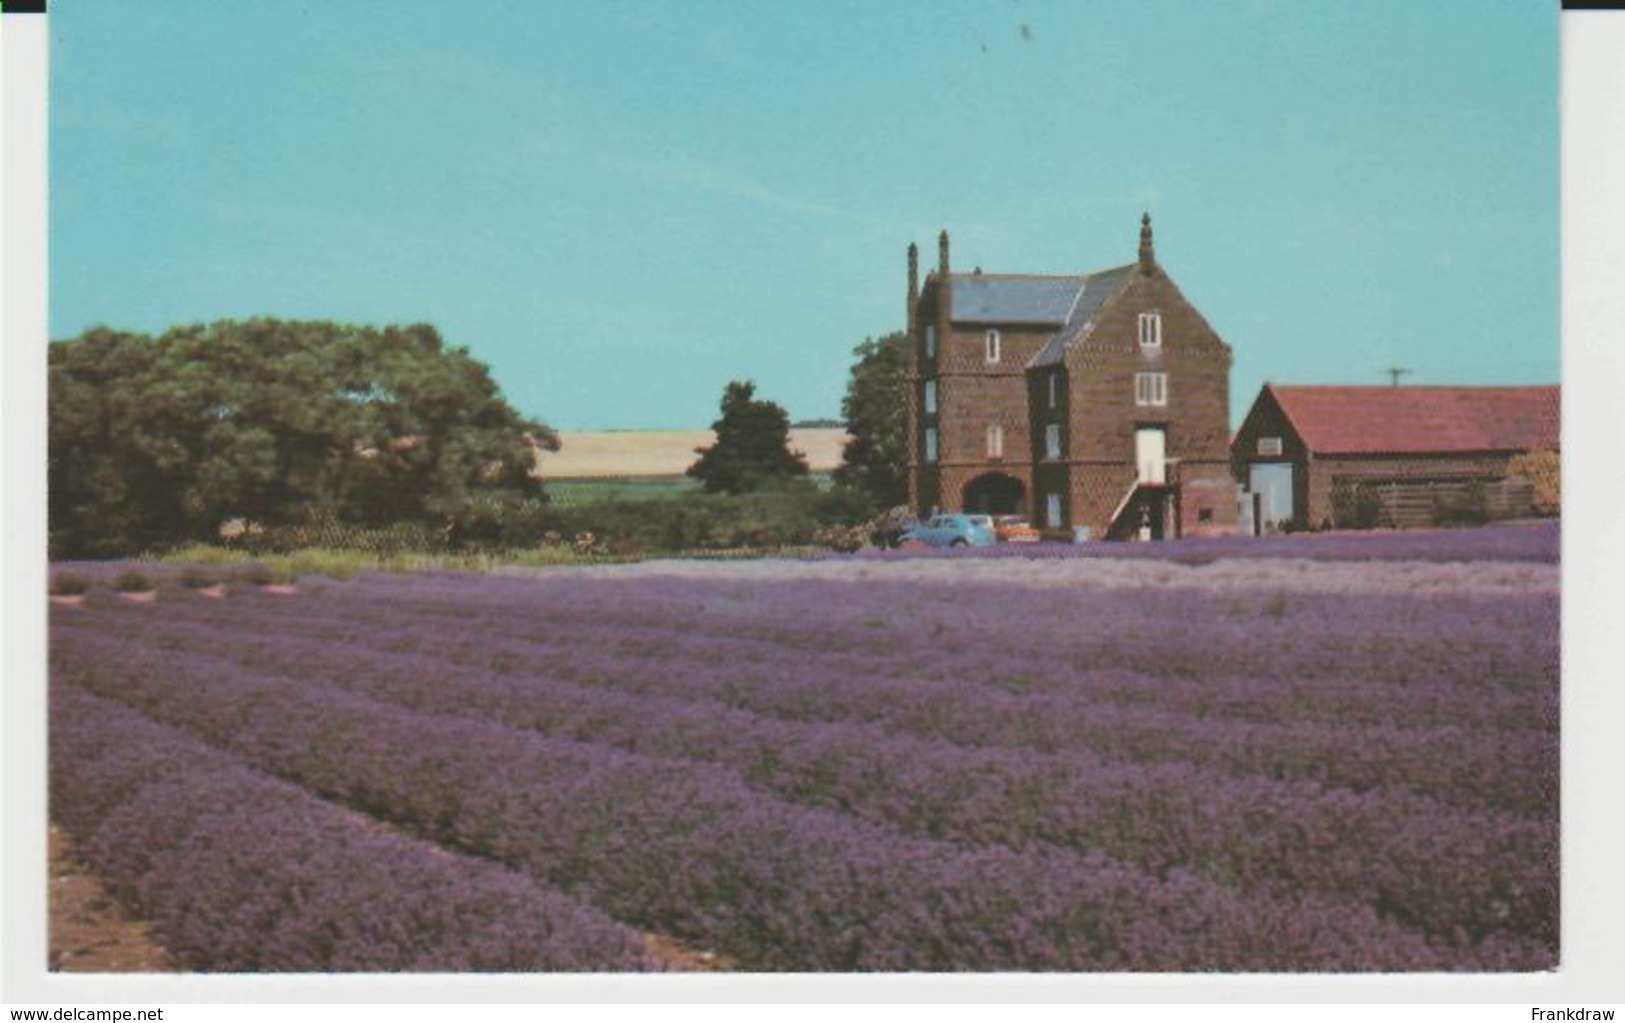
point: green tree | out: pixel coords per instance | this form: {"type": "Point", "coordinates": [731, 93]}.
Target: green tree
{"type": "Point", "coordinates": [154, 440]}
{"type": "Point", "coordinates": [752, 449]}
{"type": "Point", "coordinates": [875, 460]}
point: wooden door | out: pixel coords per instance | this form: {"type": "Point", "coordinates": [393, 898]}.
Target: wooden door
{"type": "Point", "coordinates": [1151, 454]}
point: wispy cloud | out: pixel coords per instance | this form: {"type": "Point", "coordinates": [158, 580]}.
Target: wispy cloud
{"type": "Point", "coordinates": [720, 181]}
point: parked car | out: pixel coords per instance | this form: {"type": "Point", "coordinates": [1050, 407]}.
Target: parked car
{"type": "Point", "coordinates": [954, 530]}
{"type": "Point", "coordinates": [1014, 529]}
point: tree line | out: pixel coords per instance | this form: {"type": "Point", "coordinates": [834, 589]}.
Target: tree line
{"type": "Point", "coordinates": [155, 441]}
{"type": "Point", "coordinates": [158, 440]}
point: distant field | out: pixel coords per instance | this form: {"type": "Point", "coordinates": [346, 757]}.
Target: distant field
{"type": "Point", "coordinates": [571, 493]}
{"type": "Point", "coordinates": [594, 454]}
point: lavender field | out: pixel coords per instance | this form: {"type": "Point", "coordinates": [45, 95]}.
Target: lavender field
{"type": "Point", "coordinates": [1220, 758]}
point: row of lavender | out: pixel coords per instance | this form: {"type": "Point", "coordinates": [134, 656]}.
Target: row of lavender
{"type": "Point", "coordinates": [1511, 542]}
{"type": "Point", "coordinates": [938, 626]}
{"type": "Point", "coordinates": [1399, 853]}
{"type": "Point", "coordinates": [690, 850]}
{"type": "Point", "coordinates": [1460, 733]}
{"type": "Point", "coordinates": [241, 872]}
{"type": "Point", "coordinates": [1368, 660]}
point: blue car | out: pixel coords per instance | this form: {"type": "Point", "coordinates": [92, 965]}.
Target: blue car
{"type": "Point", "coordinates": [956, 530]}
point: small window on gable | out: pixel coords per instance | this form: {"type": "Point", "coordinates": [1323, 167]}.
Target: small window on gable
{"type": "Point", "coordinates": [995, 442]}
{"type": "Point", "coordinates": [930, 397]}
{"type": "Point", "coordinates": [930, 444]}
{"type": "Point", "coordinates": [930, 342]}
{"type": "Point", "coordinates": [992, 346]}
{"type": "Point", "coordinates": [1052, 440]}
{"type": "Point", "coordinates": [1269, 446]}
{"type": "Point", "coordinates": [1150, 330]}
{"type": "Point", "coordinates": [1151, 389]}
{"type": "Point", "coordinates": [1054, 388]}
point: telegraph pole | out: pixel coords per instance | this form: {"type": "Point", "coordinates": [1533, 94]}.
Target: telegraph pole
{"type": "Point", "coordinates": [1396, 372]}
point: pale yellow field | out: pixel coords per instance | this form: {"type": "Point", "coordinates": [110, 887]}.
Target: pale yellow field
{"type": "Point", "coordinates": [589, 454]}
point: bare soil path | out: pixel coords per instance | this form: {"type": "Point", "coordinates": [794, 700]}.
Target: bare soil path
{"type": "Point", "coordinates": [89, 931]}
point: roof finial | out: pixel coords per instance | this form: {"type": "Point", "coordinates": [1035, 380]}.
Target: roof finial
{"type": "Point", "coordinates": [1148, 256]}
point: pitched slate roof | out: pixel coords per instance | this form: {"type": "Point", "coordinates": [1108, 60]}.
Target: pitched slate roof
{"type": "Point", "coordinates": [1097, 288]}
{"type": "Point", "coordinates": [1417, 420]}
{"type": "Point", "coordinates": [1013, 298]}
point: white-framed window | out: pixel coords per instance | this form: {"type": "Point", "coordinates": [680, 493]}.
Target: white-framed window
{"type": "Point", "coordinates": [1150, 388]}
{"type": "Point", "coordinates": [1052, 440]}
{"type": "Point", "coordinates": [1150, 330]}
{"type": "Point", "coordinates": [1054, 389]}
{"type": "Point", "coordinates": [930, 341]}
{"type": "Point", "coordinates": [930, 444]}
{"type": "Point", "coordinates": [992, 346]}
{"type": "Point", "coordinates": [930, 397]}
{"type": "Point", "coordinates": [995, 441]}
{"type": "Point", "coordinates": [1269, 446]}
{"type": "Point", "coordinates": [1052, 511]}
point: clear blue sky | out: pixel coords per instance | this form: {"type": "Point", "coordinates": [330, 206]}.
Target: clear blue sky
{"type": "Point", "coordinates": [621, 206]}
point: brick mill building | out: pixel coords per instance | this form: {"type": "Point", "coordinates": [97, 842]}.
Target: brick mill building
{"type": "Point", "coordinates": [1091, 402]}
{"type": "Point", "coordinates": [1301, 447]}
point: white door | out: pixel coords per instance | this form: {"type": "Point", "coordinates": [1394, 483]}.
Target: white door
{"type": "Point", "coordinates": [1151, 453]}
{"type": "Point", "coordinates": [1052, 511]}
{"type": "Point", "coordinates": [1273, 480]}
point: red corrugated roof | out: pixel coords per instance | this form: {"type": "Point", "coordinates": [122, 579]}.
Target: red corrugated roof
{"type": "Point", "coordinates": [1415, 420]}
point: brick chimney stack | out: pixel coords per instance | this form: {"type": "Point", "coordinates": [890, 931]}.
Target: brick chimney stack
{"type": "Point", "coordinates": [1148, 255]}
{"type": "Point", "coordinates": [942, 254]}
{"type": "Point", "coordinates": [913, 283]}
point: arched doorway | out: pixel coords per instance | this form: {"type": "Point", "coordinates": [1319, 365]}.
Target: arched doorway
{"type": "Point", "coordinates": [994, 493]}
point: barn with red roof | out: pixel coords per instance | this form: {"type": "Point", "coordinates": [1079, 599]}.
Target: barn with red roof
{"type": "Point", "coordinates": [1305, 455]}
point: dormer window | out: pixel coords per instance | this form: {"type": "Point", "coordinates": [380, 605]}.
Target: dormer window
{"type": "Point", "coordinates": [930, 342]}
{"type": "Point", "coordinates": [1150, 330]}
{"type": "Point", "coordinates": [992, 347]}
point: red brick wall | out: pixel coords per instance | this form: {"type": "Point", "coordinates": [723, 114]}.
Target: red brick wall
{"type": "Point", "coordinates": [1211, 489]}
{"type": "Point", "coordinates": [924, 483]}
{"type": "Point", "coordinates": [1103, 415]}
{"type": "Point", "coordinates": [1102, 371]}
{"type": "Point", "coordinates": [1097, 408]}
{"type": "Point", "coordinates": [972, 395]}
{"type": "Point", "coordinates": [1098, 488]}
